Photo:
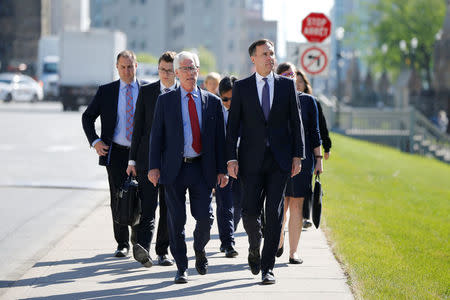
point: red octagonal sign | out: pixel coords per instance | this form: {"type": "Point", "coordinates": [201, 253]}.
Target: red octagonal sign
{"type": "Point", "coordinates": [316, 27]}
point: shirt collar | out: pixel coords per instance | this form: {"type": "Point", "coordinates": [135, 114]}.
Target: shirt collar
{"type": "Point", "coordinates": [260, 78]}
{"type": "Point", "coordinates": [184, 93]}
{"type": "Point", "coordinates": [124, 85]}
{"type": "Point", "coordinates": [162, 86]}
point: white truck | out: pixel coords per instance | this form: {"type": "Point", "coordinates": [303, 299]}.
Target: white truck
{"type": "Point", "coordinates": [87, 60]}
{"type": "Point", "coordinates": [47, 65]}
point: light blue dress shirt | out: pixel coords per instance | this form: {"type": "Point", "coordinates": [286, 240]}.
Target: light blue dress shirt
{"type": "Point", "coordinates": [188, 150]}
{"type": "Point", "coordinates": [120, 132]}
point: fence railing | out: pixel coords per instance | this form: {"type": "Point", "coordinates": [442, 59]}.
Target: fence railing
{"type": "Point", "coordinates": [406, 129]}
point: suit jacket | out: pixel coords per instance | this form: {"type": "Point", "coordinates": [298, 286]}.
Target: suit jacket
{"type": "Point", "coordinates": [283, 130]}
{"type": "Point", "coordinates": [167, 137]}
{"type": "Point", "coordinates": [104, 104]}
{"type": "Point", "coordinates": [326, 141]}
{"type": "Point", "coordinates": [143, 120]}
{"type": "Point", "coordinates": [310, 121]}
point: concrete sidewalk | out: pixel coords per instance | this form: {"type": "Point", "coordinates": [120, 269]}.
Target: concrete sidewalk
{"type": "Point", "coordinates": [81, 266]}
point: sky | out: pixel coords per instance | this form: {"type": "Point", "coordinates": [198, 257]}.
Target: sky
{"type": "Point", "coordinates": [289, 14]}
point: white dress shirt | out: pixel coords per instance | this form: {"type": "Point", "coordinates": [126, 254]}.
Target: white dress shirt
{"type": "Point", "coordinates": [260, 84]}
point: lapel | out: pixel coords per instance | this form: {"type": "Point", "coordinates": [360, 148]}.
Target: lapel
{"type": "Point", "coordinates": [178, 114]}
{"type": "Point", "coordinates": [204, 107]}
{"type": "Point", "coordinates": [115, 96]}
{"type": "Point", "coordinates": [276, 83]}
{"type": "Point", "coordinates": [254, 91]}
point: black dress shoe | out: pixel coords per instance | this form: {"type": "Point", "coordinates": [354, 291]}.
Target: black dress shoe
{"type": "Point", "coordinates": [201, 262]}
{"type": "Point", "coordinates": [121, 252]}
{"type": "Point", "coordinates": [231, 252]}
{"type": "Point", "coordinates": [268, 277]}
{"type": "Point", "coordinates": [181, 277]}
{"type": "Point", "coordinates": [141, 255]}
{"type": "Point", "coordinates": [254, 261]}
{"type": "Point", "coordinates": [164, 260]}
{"type": "Point", "coordinates": [295, 261]}
{"type": "Point", "coordinates": [280, 251]}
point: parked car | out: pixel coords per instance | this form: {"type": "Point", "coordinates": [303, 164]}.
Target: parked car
{"type": "Point", "coordinates": [19, 87]}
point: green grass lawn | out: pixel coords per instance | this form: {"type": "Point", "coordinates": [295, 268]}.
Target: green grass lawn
{"type": "Point", "coordinates": [387, 214]}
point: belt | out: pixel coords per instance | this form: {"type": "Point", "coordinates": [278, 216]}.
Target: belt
{"type": "Point", "coordinates": [115, 145]}
{"type": "Point", "coordinates": [190, 160]}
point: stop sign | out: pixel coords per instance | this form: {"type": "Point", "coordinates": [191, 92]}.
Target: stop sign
{"type": "Point", "coordinates": [316, 27]}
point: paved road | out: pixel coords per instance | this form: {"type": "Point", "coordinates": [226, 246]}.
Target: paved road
{"type": "Point", "coordinates": [49, 181]}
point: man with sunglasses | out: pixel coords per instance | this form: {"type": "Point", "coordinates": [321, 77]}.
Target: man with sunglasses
{"type": "Point", "coordinates": [187, 153]}
{"type": "Point", "coordinates": [138, 165]}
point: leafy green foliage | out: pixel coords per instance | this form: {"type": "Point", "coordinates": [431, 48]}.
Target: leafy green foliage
{"type": "Point", "coordinates": [147, 58]}
{"type": "Point", "coordinates": [394, 20]}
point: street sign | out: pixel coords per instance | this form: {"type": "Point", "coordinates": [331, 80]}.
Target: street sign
{"type": "Point", "coordinates": [314, 58]}
{"type": "Point", "coordinates": [316, 27]}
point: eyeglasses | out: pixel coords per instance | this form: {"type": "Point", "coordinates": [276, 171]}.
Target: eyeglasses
{"type": "Point", "coordinates": [167, 71]}
{"type": "Point", "coordinates": [226, 99]}
{"type": "Point", "coordinates": [288, 74]}
{"type": "Point", "coordinates": [189, 69]}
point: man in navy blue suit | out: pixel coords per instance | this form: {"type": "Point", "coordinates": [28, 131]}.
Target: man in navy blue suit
{"type": "Point", "coordinates": [115, 103]}
{"type": "Point", "coordinates": [264, 111]}
{"type": "Point", "coordinates": [187, 144]}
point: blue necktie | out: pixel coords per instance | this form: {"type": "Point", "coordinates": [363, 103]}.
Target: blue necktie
{"type": "Point", "coordinates": [266, 99]}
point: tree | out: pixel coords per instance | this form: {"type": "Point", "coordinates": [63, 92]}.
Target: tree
{"type": "Point", "coordinates": [147, 58]}
{"type": "Point", "coordinates": [207, 60]}
{"type": "Point", "coordinates": [397, 20]}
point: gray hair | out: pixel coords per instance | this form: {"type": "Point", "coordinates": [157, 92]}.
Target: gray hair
{"type": "Point", "coordinates": [127, 54]}
{"type": "Point", "coordinates": [185, 55]}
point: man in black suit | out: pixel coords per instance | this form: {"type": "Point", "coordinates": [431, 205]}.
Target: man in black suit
{"type": "Point", "coordinates": [264, 111]}
{"type": "Point", "coordinates": [138, 165]}
{"type": "Point", "coordinates": [114, 103]}
{"type": "Point", "coordinates": [187, 153]}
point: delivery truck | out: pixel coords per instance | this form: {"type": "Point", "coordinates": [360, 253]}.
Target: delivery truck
{"type": "Point", "coordinates": [87, 60]}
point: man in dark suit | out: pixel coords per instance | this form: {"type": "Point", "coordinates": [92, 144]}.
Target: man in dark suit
{"type": "Point", "coordinates": [138, 165]}
{"type": "Point", "coordinates": [187, 153]}
{"type": "Point", "coordinates": [264, 111]}
{"type": "Point", "coordinates": [114, 103]}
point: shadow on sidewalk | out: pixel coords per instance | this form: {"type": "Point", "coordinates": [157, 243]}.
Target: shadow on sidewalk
{"type": "Point", "coordinates": [128, 270]}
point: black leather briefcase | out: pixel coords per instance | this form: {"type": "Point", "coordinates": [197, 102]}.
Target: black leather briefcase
{"type": "Point", "coordinates": [127, 210]}
{"type": "Point", "coordinates": [317, 201]}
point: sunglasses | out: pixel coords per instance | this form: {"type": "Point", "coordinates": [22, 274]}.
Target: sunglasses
{"type": "Point", "coordinates": [288, 74]}
{"type": "Point", "coordinates": [226, 99]}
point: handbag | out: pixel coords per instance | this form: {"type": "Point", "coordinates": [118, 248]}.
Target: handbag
{"type": "Point", "coordinates": [317, 201]}
{"type": "Point", "coordinates": [127, 210]}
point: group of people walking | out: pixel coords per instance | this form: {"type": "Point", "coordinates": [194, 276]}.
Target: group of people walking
{"type": "Point", "coordinates": [256, 143]}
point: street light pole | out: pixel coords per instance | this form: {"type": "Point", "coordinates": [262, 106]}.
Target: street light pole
{"type": "Point", "coordinates": [339, 36]}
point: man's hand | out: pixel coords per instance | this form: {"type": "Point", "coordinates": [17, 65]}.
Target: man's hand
{"type": "Point", "coordinates": [153, 176]}
{"type": "Point", "coordinates": [318, 168]}
{"type": "Point", "coordinates": [101, 148]}
{"type": "Point", "coordinates": [296, 166]}
{"type": "Point", "coordinates": [131, 170]}
{"type": "Point", "coordinates": [233, 168]}
{"type": "Point", "coordinates": [222, 180]}
{"type": "Point", "coordinates": [326, 155]}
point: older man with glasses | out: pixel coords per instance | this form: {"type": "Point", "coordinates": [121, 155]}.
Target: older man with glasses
{"type": "Point", "coordinates": [187, 153]}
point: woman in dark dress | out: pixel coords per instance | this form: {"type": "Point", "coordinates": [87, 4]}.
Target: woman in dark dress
{"type": "Point", "coordinates": [303, 85]}
{"type": "Point", "coordinates": [299, 186]}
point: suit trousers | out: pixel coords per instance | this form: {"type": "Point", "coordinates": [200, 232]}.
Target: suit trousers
{"type": "Point", "coordinates": [271, 181]}
{"type": "Point", "coordinates": [116, 177]}
{"type": "Point", "coordinates": [148, 194]}
{"type": "Point", "coordinates": [228, 211]}
{"type": "Point", "coordinates": [162, 237]}
{"type": "Point", "coordinates": [189, 178]}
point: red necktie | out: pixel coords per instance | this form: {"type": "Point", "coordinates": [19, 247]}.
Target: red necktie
{"type": "Point", "coordinates": [195, 126]}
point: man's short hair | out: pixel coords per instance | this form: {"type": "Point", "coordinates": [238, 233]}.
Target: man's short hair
{"type": "Point", "coordinates": [283, 67]}
{"type": "Point", "coordinates": [252, 48]}
{"type": "Point", "coordinates": [185, 55]}
{"type": "Point", "coordinates": [167, 56]}
{"type": "Point", "coordinates": [127, 54]}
